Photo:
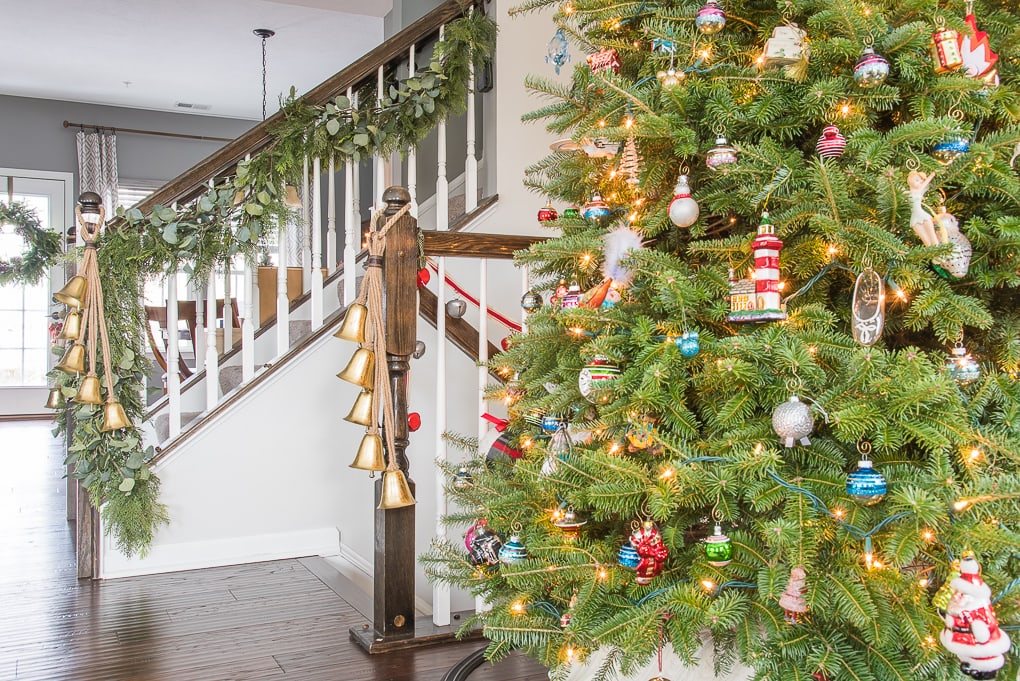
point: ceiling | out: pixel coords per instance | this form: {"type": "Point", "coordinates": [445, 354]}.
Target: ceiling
{"type": "Point", "coordinates": [152, 54]}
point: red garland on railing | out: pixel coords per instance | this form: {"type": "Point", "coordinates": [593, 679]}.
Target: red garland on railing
{"type": "Point", "coordinates": [505, 321]}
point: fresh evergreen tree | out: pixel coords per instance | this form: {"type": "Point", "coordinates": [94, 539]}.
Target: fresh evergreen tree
{"type": "Point", "coordinates": [688, 441]}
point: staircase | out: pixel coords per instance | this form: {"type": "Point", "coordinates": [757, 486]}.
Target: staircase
{"type": "Point", "coordinates": [252, 450]}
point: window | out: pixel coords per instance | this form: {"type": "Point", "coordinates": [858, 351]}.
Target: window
{"type": "Point", "coordinates": [130, 192]}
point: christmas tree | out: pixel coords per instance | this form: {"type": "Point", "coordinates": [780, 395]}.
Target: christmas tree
{"type": "Point", "coordinates": [779, 399]}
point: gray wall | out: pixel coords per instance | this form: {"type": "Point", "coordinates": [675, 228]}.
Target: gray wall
{"type": "Point", "coordinates": [32, 137]}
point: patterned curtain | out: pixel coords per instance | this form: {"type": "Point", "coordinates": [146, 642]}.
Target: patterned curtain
{"type": "Point", "coordinates": [97, 166]}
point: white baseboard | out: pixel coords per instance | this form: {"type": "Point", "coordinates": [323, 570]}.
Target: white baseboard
{"type": "Point", "coordinates": [360, 569]}
{"type": "Point", "coordinates": [323, 541]}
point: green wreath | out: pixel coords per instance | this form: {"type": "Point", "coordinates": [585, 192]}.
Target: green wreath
{"type": "Point", "coordinates": [44, 247]}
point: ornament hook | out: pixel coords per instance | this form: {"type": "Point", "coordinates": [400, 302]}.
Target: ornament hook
{"type": "Point", "coordinates": [864, 449]}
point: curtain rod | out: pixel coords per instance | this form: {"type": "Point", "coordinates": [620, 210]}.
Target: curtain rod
{"type": "Point", "coordinates": [157, 133]}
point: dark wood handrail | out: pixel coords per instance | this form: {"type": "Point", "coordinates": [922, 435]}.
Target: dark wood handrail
{"type": "Point", "coordinates": [193, 181]}
{"type": "Point", "coordinates": [476, 245]}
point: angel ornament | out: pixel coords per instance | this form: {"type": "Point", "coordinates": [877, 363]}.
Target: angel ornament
{"type": "Point", "coordinates": [921, 220]}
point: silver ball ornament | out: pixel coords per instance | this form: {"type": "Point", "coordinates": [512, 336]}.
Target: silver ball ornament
{"type": "Point", "coordinates": [792, 421]}
{"type": "Point", "coordinates": [419, 349]}
{"type": "Point", "coordinates": [871, 69]}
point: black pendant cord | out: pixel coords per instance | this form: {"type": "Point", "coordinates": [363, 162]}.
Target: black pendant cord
{"type": "Point", "coordinates": [265, 34]}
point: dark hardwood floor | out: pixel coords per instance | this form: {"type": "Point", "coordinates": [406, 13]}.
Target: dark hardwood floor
{"type": "Point", "coordinates": [275, 620]}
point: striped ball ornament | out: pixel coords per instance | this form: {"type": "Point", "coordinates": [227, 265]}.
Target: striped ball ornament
{"type": "Point", "coordinates": [832, 143]}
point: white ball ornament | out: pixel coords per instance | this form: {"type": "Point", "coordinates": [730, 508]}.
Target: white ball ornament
{"type": "Point", "coordinates": [683, 210]}
{"type": "Point", "coordinates": [792, 421]}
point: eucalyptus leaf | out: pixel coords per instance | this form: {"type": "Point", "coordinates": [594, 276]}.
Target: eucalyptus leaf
{"type": "Point", "coordinates": [428, 104]}
{"type": "Point", "coordinates": [243, 234]}
{"type": "Point", "coordinates": [126, 485]}
{"type": "Point", "coordinates": [264, 197]}
{"type": "Point", "coordinates": [253, 209]}
{"type": "Point", "coordinates": [187, 242]}
{"type": "Point", "coordinates": [342, 102]}
{"type": "Point", "coordinates": [143, 473]}
{"type": "Point", "coordinates": [205, 205]}
{"type": "Point", "coordinates": [68, 392]}
{"type": "Point", "coordinates": [58, 350]}
{"type": "Point", "coordinates": [134, 214]}
{"type": "Point", "coordinates": [166, 214]}
{"type": "Point", "coordinates": [170, 233]}
{"type": "Point", "coordinates": [90, 480]}
{"type": "Point", "coordinates": [332, 126]}
{"type": "Point", "coordinates": [362, 139]}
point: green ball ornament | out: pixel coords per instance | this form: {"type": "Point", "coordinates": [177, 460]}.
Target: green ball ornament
{"type": "Point", "coordinates": [718, 548]}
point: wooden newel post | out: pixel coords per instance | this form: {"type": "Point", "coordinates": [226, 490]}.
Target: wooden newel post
{"type": "Point", "coordinates": [393, 618]}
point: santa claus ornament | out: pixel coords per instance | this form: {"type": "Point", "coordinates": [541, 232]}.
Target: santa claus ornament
{"type": "Point", "coordinates": [972, 632]}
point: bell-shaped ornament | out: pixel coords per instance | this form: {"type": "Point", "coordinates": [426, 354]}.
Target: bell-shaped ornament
{"type": "Point", "coordinates": [89, 391]}
{"type": "Point", "coordinates": [73, 293]}
{"type": "Point", "coordinates": [361, 412]}
{"type": "Point", "coordinates": [353, 327]}
{"type": "Point", "coordinates": [55, 399]}
{"type": "Point", "coordinates": [396, 493]}
{"type": "Point", "coordinates": [291, 197]}
{"type": "Point", "coordinates": [71, 329]}
{"type": "Point", "coordinates": [370, 456]}
{"type": "Point", "coordinates": [114, 416]}
{"type": "Point", "coordinates": [361, 369]}
{"type": "Point", "coordinates": [73, 361]}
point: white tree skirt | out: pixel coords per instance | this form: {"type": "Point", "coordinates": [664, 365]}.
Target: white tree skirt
{"type": "Point", "coordinates": [673, 668]}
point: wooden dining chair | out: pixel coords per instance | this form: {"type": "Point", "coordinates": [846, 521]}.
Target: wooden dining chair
{"type": "Point", "coordinates": [186, 312]}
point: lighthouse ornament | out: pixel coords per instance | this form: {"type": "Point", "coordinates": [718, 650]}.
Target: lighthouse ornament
{"type": "Point", "coordinates": [683, 210]}
{"type": "Point", "coordinates": [757, 299]}
{"type": "Point", "coordinates": [972, 631]}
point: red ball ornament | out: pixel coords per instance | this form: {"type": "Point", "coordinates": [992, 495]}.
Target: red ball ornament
{"type": "Point", "coordinates": [505, 343]}
{"type": "Point", "coordinates": [831, 143]}
{"type": "Point", "coordinates": [423, 277]}
{"type": "Point", "coordinates": [547, 214]}
{"type": "Point", "coordinates": [413, 421]}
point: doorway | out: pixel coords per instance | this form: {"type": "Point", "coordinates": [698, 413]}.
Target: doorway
{"type": "Point", "coordinates": [26, 310]}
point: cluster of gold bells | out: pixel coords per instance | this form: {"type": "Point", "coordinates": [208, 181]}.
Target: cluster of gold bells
{"type": "Point", "coordinates": [372, 377]}
{"type": "Point", "coordinates": [85, 326]}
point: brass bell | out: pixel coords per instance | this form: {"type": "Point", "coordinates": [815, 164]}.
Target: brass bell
{"type": "Point", "coordinates": [89, 390]}
{"type": "Point", "coordinates": [114, 416]}
{"type": "Point", "coordinates": [72, 326]}
{"type": "Point", "coordinates": [370, 455]}
{"type": "Point", "coordinates": [361, 369]}
{"type": "Point", "coordinates": [396, 493]}
{"type": "Point", "coordinates": [73, 361]}
{"type": "Point", "coordinates": [361, 412]}
{"type": "Point", "coordinates": [353, 326]}
{"type": "Point", "coordinates": [73, 293]}
{"type": "Point", "coordinates": [56, 399]}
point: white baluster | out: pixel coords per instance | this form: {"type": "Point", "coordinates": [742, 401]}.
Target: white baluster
{"type": "Point", "coordinates": [316, 260]}
{"type": "Point", "coordinates": [412, 156]}
{"type": "Point", "coordinates": [212, 360]}
{"type": "Point", "coordinates": [331, 220]}
{"type": "Point", "coordinates": [228, 308]}
{"type": "Point", "coordinates": [442, 186]}
{"type": "Point", "coordinates": [173, 353]}
{"type": "Point", "coordinates": [349, 234]}
{"type": "Point", "coordinates": [471, 163]}
{"type": "Point", "coordinates": [483, 346]}
{"type": "Point", "coordinates": [282, 303]}
{"type": "Point", "coordinates": [306, 229]}
{"type": "Point", "coordinates": [248, 324]}
{"type": "Point", "coordinates": [355, 235]}
{"type": "Point", "coordinates": [441, 592]}
{"type": "Point", "coordinates": [525, 287]}
{"type": "Point", "coordinates": [380, 164]}
{"type": "Point", "coordinates": [198, 293]}
{"type": "Point", "coordinates": [481, 605]}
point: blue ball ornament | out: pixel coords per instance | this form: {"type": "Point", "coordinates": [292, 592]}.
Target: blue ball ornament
{"type": "Point", "coordinates": [688, 344]}
{"type": "Point", "coordinates": [866, 485]}
{"type": "Point", "coordinates": [950, 149]}
{"type": "Point", "coordinates": [628, 556]}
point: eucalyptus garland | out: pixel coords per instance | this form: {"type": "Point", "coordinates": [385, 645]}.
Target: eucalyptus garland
{"type": "Point", "coordinates": [44, 247]}
{"type": "Point", "coordinates": [235, 217]}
